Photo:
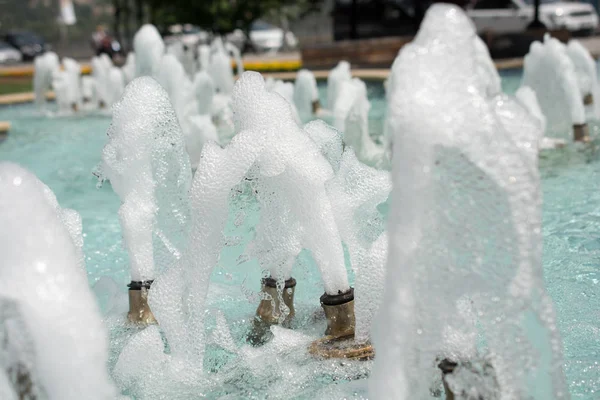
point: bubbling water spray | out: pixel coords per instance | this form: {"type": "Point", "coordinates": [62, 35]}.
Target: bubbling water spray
{"type": "Point", "coordinates": [466, 241]}
{"type": "Point", "coordinates": [306, 94]}
{"type": "Point", "coordinates": [550, 72]}
{"type": "Point", "coordinates": [45, 66]}
{"type": "Point", "coordinates": [148, 168]}
{"type": "Point", "coordinates": [43, 279]}
{"type": "Point", "coordinates": [341, 73]}
{"type": "Point", "coordinates": [149, 49]}
{"type": "Point", "coordinates": [351, 116]}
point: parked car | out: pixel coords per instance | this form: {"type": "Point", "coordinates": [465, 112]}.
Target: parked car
{"type": "Point", "coordinates": [9, 54]}
{"type": "Point", "coordinates": [512, 16]}
{"type": "Point", "coordinates": [190, 35]}
{"type": "Point", "coordinates": [267, 37]}
{"type": "Point", "coordinates": [29, 44]}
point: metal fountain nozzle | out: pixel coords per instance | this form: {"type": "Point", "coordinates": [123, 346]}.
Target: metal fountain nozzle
{"type": "Point", "coordinates": [269, 311]}
{"type": "Point", "coordinates": [139, 310]}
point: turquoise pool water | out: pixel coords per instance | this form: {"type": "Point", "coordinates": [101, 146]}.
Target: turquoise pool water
{"type": "Point", "coordinates": [62, 152]}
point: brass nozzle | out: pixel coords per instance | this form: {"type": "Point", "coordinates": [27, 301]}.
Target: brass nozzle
{"type": "Point", "coordinates": [269, 310]}
{"type": "Point", "coordinates": [447, 367]}
{"type": "Point", "coordinates": [588, 99]}
{"type": "Point", "coordinates": [139, 311]}
{"type": "Point", "coordinates": [581, 133]}
{"type": "Point", "coordinates": [316, 105]}
{"type": "Point", "coordinates": [339, 311]}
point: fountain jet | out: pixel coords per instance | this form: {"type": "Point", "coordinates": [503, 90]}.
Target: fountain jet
{"type": "Point", "coordinates": [148, 169]}
{"type": "Point", "coordinates": [50, 322]}
{"type": "Point", "coordinates": [464, 229]}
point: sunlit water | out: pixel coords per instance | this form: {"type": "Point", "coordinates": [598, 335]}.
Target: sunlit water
{"type": "Point", "coordinates": [62, 152]}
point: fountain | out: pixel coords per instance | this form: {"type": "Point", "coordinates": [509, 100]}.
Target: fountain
{"type": "Point", "coordinates": [337, 75]}
{"type": "Point", "coordinates": [185, 55]}
{"type": "Point", "coordinates": [146, 164]}
{"type": "Point", "coordinates": [129, 68]}
{"type": "Point", "coordinates": [219, 68]}
{"type": "Point", "coordinates": [45, 67]}
{"type": "Point", "coordinates": [149, 49]}
{"type": "Point", "coordinates": [464, 308]}
{"type": "Point", "coordinates": [202, 129]}
{"type": "Point", "coordinates": [464, 286]}
{"type": "Point", "coordinates": [67, 86]}
{"type": "Point", "coordinates": [54, 342]}
{"type": "Point", "coordinates": [551, 73]}
{"type": "Point", "coordinates": [306, 94]}
{"type": "Point", "coordinates": [351, 116]}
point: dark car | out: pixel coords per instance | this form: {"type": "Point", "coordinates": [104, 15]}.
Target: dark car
{"type": "Point", "coordinates": [29, 44]}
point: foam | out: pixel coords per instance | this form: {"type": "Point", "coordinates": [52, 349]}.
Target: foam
{"type": "Point", "coordinates": [100, 72]}
{"type": "Point", "coordinates": [129, 68]}
{"type": "Point", "coordinates": [351, 116]}
{"type": "Point", "coordinates": [464, 228]}
{"type": "Point", "coordinates": [149, 49]}
{"type": "Point", "coordinates": [237, 56]}
{"type": "Point", "coordinates": [305, 93]}
{"type": "Point", "coordinates": [172, 77]}
{"type": "Point", "coordinates": [355, 192]}
{"type": "Point", "coordinates": [202, 128]}
{"type": "Point", "coordinates": [220, 68]}
{"type": "Point", "coordinates": [585, 69]}
{"type": "Point", "coordinates": [185, 55]}
{"type": "Point", "coordinates": [550, 72]}
{"type": "Point", "coordinates": [147, 166]}
{"type": "Point", "coordinates": [66, 84]}
{"type": "Point", "coordinates": [336, 76]}
{"type": "Point", "coordinates": [45, 66]}
{"type": "Point", "coordinates": [42, 275]}
{"type": "Point", "coordinates": [203, 57]}
{"type": "Point", "coordinates": [286, 90]}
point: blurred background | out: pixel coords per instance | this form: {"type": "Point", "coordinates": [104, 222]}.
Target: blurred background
{"type": "Point", "coordinates": [313, 31]}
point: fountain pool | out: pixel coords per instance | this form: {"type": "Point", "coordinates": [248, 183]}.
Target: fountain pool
{"type": "Point", "coordinates": [62, 152]}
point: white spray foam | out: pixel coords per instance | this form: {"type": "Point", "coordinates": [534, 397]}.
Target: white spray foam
{"type": "Point", "coordinates": [42, 274]}
{"type": "Point", "coordinates": [464, 224]}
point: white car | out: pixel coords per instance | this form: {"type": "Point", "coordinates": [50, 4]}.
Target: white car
{"type": "Point", "coordinates": [513, 16]}
{"type": "Point", "coordinates": [9, 54]}
{"type": "Point", "coordinates": [189, 34]}
{"type": "Point", "coordinates": [267, 37]}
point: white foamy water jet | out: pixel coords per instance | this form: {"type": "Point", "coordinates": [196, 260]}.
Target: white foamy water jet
{"type": "Point", "coordinates": [286, 90]}
{"type": "Point", "coordinates": [45, 66]}
{"type": "Point", "coordinates": [129, 68]}
{"type": "Point", "coordinates": [88, 90]}
{"type": "Point", "coordinates": [289, 173]}
{"type": "Point", "coordinates": [115, 85]}
{"type": "Point", "coordinates": [101, 67]}
{"type": "Point", "coordinates": [351, 116]}
{"type": "Point", "coordinates": [355, 192]}
{"type": "Point", "coordinates": [42, 278]}
{"type": "Point", "coordinates": [201, 127]}
{"type": "Point", "coordinates": [305, 93]}
{"type": "Point", "coordinates": [528, 99]}
{"type": "Point", "coordinates": [185, 55]}
{"type": "Point", "coordinates": [337, 75]}
{"type": "Point", "coordinates": [147, 166]}
{"type": "Point", "coordinates": [67, 86]}
{"type": "Point", "coordinates": [172, 77]}
{"type": "Point", "coordinates": [550, 72]}
{"type": "Point", "coordinates": [219, 68]}
{"type": "Point", "coordinates": [237, 56]}
{"type": "Point", "coordinates": [587, 76]}
{"type": "Point", "coordinates": [464, 232]}
{"type": "Point", "coordinates": [203, 57]}
{"type": "Point", "coordinates": [149, 49]}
